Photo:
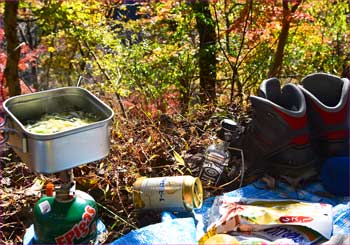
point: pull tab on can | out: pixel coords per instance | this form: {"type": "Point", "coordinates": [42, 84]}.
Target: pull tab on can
{"type": "Point", "coordinates": [176, 193]}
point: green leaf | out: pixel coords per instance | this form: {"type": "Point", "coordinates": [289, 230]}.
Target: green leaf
{"type": "Point", "coordinates": [179, 159]}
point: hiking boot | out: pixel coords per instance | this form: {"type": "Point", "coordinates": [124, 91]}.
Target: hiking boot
{"type": "Point", "coordinates": [327, 98]}
{"type": "Point", "coordinates": [277, 141]}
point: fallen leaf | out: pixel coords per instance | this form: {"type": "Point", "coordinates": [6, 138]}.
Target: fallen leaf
{"type": "Point", "coordinates": [179, 159]}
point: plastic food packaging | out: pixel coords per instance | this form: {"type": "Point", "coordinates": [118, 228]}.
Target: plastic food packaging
{"type": "Point", "coordinates": [221, 239]}
{"type": "Point", "coordinates": [272, 220]}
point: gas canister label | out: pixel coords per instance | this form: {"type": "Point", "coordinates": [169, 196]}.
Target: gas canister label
{"type": "Point", "coordinates": [81, 229]}
{"type": "Point", "coordinates": [45, 207]}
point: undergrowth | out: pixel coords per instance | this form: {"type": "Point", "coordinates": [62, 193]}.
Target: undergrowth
{"type": "Point", "coordinates": [142, 144]}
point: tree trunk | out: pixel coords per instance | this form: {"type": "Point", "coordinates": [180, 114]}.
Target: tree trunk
{"type": "Point", "coordinates": [283, 37]}
{"type": "Point", "coordinates": [13, 49]}
{"type": "Point", "coordinates": [207, 50]}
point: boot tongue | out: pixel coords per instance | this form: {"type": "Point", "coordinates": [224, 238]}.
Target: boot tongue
{"type": "Point", "coordinates": [270, 89]}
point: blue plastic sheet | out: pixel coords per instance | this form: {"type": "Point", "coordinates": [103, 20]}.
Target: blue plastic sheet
{"type": "Point", "coordinates": [187, 230]}
{"type": "Point", "coordinates": [170, 231]}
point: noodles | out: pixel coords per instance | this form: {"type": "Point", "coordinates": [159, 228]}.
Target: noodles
{"type": "Point", "coordinates": [58, 122]}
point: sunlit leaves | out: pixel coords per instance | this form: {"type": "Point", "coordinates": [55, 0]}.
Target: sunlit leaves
{"type": "Point", "coordinates": [179, 159]}
{"type": "Point", "coordinates": [326, 32]}
{"type": "Point", "coordinates": [317, 39]}
{"type": "Point", "coordinates": [158, 52]}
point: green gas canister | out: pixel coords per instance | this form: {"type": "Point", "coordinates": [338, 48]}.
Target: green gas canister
{"type": "Point", "coordinates": [71, 221]}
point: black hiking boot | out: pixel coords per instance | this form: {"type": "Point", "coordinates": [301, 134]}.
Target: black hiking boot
{"type": "Point", "coordinates": [328, 100]}
{"type": "Point", "coordinates": [277, 140]}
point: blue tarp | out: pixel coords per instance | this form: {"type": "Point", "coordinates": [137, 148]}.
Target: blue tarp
{"type": "Point", "coordinates": [170, 231]}
{"type": "Point", "coordinates": [189, 230]}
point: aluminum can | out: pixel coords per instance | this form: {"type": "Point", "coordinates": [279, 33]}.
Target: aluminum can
{"type": "Point", "coordinates": [175, 193]}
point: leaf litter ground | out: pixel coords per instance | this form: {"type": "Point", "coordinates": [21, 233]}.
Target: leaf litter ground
{"type": "Point", "coordinates": [140, 146]}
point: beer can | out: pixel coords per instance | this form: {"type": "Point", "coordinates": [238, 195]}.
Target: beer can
{"type": "Point", "coordinates": [175, 193]}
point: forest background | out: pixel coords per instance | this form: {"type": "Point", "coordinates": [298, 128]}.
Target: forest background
{"type": "Point", "coordinates": [171, 70]}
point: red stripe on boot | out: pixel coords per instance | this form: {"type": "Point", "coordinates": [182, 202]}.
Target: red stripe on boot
{"type": "Point", "coordinates": [301, 140]}
{"type": "Point", "coordinates": [333, 117]}
{"type": "Point", "coordinates": [340, 134]}
{"type": "Point", "coordinates": [293, 122]}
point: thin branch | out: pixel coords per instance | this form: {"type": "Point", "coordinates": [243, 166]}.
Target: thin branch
{"type": "Point", "coordinates": [116, 215]}
{"type": "Point", "coordinates": [248, 53]}
{"type": "Point", "coordinates": [220, 44]}
{"type": "Point", "coordinates": [107, 77]}
{"type": "Point", "coordinates": [244, 32]}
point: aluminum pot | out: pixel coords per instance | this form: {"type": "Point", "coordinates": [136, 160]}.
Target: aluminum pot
{"type": "Point", "coordinates": [51, 153]}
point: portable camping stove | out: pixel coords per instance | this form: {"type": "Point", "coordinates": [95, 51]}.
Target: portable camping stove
{"type": "Point", "coordinates": [63, 215]}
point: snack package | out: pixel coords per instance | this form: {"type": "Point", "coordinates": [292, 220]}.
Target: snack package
{"type": "Point", "coordinates": [221, 239]}
{"type": "Point", "coordinates": [301, 222]}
